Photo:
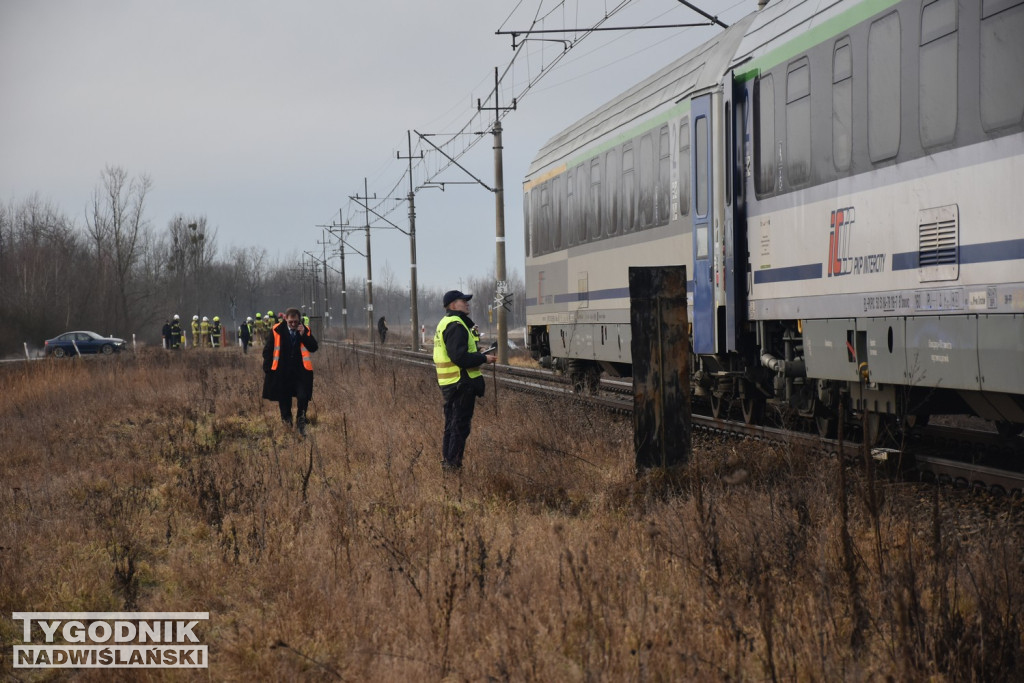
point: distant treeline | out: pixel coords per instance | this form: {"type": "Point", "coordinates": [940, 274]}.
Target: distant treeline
{"type": "Point", "coordinates": [120, 275]}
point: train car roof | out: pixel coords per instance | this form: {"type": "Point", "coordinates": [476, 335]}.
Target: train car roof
{"type": "Point", "coordinates": [785, 28]}
{"type": "Point", "coordinates": [700, 68]}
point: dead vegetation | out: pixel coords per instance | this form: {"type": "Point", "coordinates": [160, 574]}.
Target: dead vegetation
{"type": "Point", "coordinates": [163, 482]}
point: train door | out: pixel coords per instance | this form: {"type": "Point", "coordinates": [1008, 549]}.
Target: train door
{"type": "Point", "coordinates": [735, 218]}
{"type": "Point", "coordinates": [703, 226]}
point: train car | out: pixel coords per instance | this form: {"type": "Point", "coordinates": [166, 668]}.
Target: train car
{"type": "Point", "coordinates": [611, 191]}
{"type": "Point", "coordinates": [841, 178]}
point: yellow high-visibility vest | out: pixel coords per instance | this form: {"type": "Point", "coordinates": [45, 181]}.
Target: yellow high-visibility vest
{"type": "Point", "coordinates": [447, 371]}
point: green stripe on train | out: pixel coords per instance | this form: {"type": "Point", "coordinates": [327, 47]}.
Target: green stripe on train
{"type": "Point", "coordinates": [814, 36]}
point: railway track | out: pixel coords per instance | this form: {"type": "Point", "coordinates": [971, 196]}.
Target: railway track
{"type": "Point", "coordinates": [962, 457]}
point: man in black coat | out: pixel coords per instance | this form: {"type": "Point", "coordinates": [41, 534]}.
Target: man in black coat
{"type": "Point", "coordinates": [288, 367]}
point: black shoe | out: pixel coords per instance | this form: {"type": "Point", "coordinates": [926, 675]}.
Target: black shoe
{"type": "Point", "coordinates": [302, 426]}
{"type": "Point", "coordinates": [287, 422]}
{"type": "Point", "coordinates": [449, 467]}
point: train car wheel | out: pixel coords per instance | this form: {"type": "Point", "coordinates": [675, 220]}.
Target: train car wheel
{"type": "Point", "coordinates": [879, 429]}
{"type": "Point", "coordinates": [719, 406]}
{"type": "Point", "coordinates": [753, 410]}
{"type": "Point", "coordinates": [826, 425]}
{"type": "Point", "coordinates": [584, 376]}
{"type": "Point", "coordinates": [910, 420]}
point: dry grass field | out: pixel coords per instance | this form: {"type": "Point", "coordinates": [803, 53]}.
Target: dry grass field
{"type": "Point", "coordinates": [162, 482]}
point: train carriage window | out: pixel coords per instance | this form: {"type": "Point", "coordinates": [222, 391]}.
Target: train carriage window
{"type": "Point", "coordinates": [594, 203]}
{"type": "Point", "coordinates": [842, 105]}
{"type": "Point", "coordinates": [661, 195]}
{"type": "Point", "coordinates": [612, 188]}
{"type": "Point", "coordinates": [1002, 62]}
{"type": "Point", "coordinates": [570, 205]}
{"type": "Point", "coordinates": [529, 227]}
{"type": "Point", "coordinates": [764, 133]}
{"type": "Point", "coordinates": [884, 88]}
{"type": "Point", "coordinates": [628, 221]}
{"type": "Point", "coordinates": [798, 123]}
{"type": "Point", "coordinates": [583, 203]}
{"type": "Point", "coordinates": [684, 168]}
{"type": "Point", "coordinates": [545, 218]}
{"type": "Point", "coordinates": [646, 178]}
{"type": "Point", "coordinates": [701, 170]}
{"type": "Point", "coordinates": [937, 81]}
{"type": "Point", "coordinates": [562, 240]}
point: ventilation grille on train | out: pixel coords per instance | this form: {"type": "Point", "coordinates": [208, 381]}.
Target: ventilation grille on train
{"type": "Point", "coordinates": [938, 232]}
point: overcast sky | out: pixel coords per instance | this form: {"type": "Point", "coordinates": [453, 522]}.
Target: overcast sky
{"type": "Point", "coordinates": [266, 116]}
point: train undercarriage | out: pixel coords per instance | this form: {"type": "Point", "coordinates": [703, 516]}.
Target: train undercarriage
{"type": "Point", "coordinates": [768, 383]}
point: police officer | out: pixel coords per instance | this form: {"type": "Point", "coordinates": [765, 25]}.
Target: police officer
{"type": "Point", "coordinates": [457, 361]}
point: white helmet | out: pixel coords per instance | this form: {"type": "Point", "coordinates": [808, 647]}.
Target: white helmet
{"type": "Point", "coordinates": [195, 317]}
{"type": "Point", "coordinates": [205, 319]}
{"type": "Point", "coordinates": [176, 317]}
{"type": "Point", "coordinates": [248, 319]}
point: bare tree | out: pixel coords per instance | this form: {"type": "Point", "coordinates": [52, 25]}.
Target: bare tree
{"type": "Point", "coordinates": [42, 264]}
{"type": "Point", "coordinates": [193, 248]}
{"type": "Point", "coordinates": [116, 225]}
{"type": "Point", "coordinates": [248, 272]}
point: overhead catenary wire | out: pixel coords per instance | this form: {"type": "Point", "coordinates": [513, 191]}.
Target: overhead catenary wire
{"type": "Point", "coordinates": [430, 167]}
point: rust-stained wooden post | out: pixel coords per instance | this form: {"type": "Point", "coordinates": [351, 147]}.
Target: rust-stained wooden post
{"type": "Point", "coordinates": [661, 357]}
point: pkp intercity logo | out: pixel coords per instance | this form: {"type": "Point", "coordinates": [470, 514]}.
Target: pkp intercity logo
{"type": "Point", "coordinates": [115, 640]}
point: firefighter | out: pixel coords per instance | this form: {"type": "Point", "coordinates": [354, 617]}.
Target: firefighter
{"type": "Point", "coordinates": [215, 332]}
{"type": "Point", "coordinates": [195, 332]}
{"type": "Point", "coordinates": [257, 328]}
{"type": "Point", "coordinates": [177, 334]}
{"type": "Point", "coordinates": [204, 332]}
{"type": "Point", "coordinates": [245, 334]}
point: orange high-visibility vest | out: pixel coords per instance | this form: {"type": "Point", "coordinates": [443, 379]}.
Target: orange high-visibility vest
{"type": "Point", "coordinates": [307, 360]}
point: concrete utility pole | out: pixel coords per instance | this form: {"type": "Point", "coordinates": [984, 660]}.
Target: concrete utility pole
{"type": "Point", "coordinates": [414, 317]}
{"type": "Point", "coordinates": [327, 295]}
{"type": "Point", "coordinates": [365, 201]}
{"type": "Point", "coordinates": [501, 287]}
{"type": "Point", "coordinates": [341, 256]}
{"type": "Point", "coordinates": [338, 229]}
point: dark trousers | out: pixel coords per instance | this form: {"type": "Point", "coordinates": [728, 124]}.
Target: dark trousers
{"type": "Point", "coordinates": [285, 404]}
{"type": "Point", "coordinates": [458, 416]}
{"type": "Point", "coordinates": [245, 345]}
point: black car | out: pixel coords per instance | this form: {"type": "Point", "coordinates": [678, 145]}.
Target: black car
{"type": "Point", "coordinates": [86, 342]}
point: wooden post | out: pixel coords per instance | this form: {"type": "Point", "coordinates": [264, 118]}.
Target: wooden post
{"type": "Point", "coordinates": [661, 357]}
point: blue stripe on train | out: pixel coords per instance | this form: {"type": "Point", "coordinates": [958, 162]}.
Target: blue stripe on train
{"type": "Point", "coordinates": [595, 295]}
{"type": "Point", "coordinates": [1007, 250]}
{"type": "Point", "coordinates": [811, 271]}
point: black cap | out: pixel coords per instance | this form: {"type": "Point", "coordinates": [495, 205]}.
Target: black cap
{"type": "Point", "coordinates": [455, 294]}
